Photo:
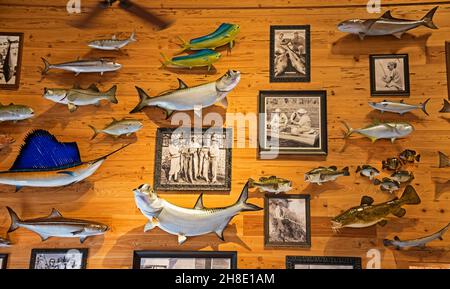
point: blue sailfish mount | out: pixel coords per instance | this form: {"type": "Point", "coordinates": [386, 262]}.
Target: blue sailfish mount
{"type": "Point", "coordinates": [43, 161]}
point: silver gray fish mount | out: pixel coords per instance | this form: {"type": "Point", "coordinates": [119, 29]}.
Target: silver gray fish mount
{"type": "Point", "coordinates": [100, 65]}
{"type": "Point", "coordinates": [398, 107]}
{"type": "Point", "coordinates": [112, 44]}
{"type": "Point", "coordinates": [416, 243]}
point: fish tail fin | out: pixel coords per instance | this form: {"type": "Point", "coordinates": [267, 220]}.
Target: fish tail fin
{"type": "Point", "coordinates": [418, 158]}
{"type": "Point", "coordinates": [242, 201]}
{"type": "Point", "coordinates": [428, 19]}
{"type": "Point", "coordinates": [387, 242]}
{"type": "Point", "coordinates": [47, 66]}
{"type": "Point", "coordinates": [446, 106]}
{"type": "Point", "coordinates": [410, 196]}
{"type": "Point", "coordinates": [111, 93]}
{"type": "Point", "coordinates": [349, 131]}
{"type": "Point", "coordinates": [96, 132]}
{"type": "Point", "coordinates": [376, 182]}
{"type": "Point", "coordinates": [15, 220]}
{"type": "Point", "coordinates": [251, 183]}
{"type": "Point", "coordinates": [143, 97]}
{"type": "Point", "coordinates": [444, 161]}
{"type": "Point", "coordinates": [358, 169]}
{"type": "Point", "coordinates": [165, 60]}
{"type": "Point", "coordinates": [133, 37]}
{"type": "Point", "coordinates": [423, 106]}
{"type": "Point", "coordinates": [346, 171]}
{"type": "Point", "coordinates": [412, 176]}
{"type": "Point", "coordinates": [184, 45]}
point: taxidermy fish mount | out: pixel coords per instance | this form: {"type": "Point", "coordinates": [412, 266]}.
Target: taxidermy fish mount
{"type": "Point", "coordinates": [185, 222]}
{"type": "Point", "coordinates": [43, 161]}
{"type": "Point", "coordinates": [416, 243]}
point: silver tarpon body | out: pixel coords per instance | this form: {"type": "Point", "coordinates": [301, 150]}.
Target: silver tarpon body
{"type": "Point", "coordinates": [185, 222]}
{"type": "Point", "coordinates": [385, 25]}
{"type": "Point", "coordinates": [388, 130]}
{"type": "Point", "coordinates": [4, 242]}
{"type": "Point", "coordinates": [421, 242]}
{"type": "Point", "coordinates": [189, 98]}
{"type": "Point", "coordinates": [398, 107]}
{"type": "Point", "coordinates": [14, 112]}
{"type": "Point", "coordinates": [112, 44]}
{"type": "Point", "coordinates": [55, 225]}
{"type": "Point", "coordinates": [84, 66]}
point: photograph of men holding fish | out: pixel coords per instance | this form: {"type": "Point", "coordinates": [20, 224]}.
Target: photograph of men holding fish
{"type": "Point", "coordinates": [10, 58]}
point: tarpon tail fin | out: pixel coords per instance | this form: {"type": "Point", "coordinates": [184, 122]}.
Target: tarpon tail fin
{"type": "Point", "coordinates": [96, 132]}
{"type": "Point", "coordinates": [349, 131]}
{"type": "Point", "coordinates": [143, 97]}
{"type": "Point", "coordinates": [428, 19]}
{"type": "Point", "coordinates": [133, 37]}
{"type": "Point", "coordinates": [184, 45]}
{"type": "Point", "coordinates": [410, 196]}
{"type": "Point", "coordinates": [346, 171]}
{"type": "Point", "coordinates": [15, 220]}
{"type": "Point", "coordinates": [111, 93]}
{"type": "Point", "coordinates": [423, 106]}
{"type": "Point", "coordinates": [446, 107]}
{"type": "Point", "coordinates": [165, 60]}
{"type": "Point", "coordinates": [251, 183]}
{"type": "Point", "coordinates": [444, 161]}
{"type": "Point", "coordinates": [47, 66]}
{"type": "Point", "coordinates": [242, 201]}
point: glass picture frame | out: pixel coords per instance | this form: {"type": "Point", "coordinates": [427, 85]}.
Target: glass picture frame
{"type": "Point", "coordinates": [389, 75]}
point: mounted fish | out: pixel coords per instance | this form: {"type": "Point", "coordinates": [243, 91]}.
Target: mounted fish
{"type": "Point", "coordinates": [271, 184]}
{"type": "Point", "coordinates": [323, 175]}
{"type": "Point", "coordinates": [416, 243]}
{"type": "Point", "coordinates": [202, 58]}
{"type": "Point", "coordinates": [185, 222]}
{"type": "Point", "coordinates": [403, 176]}
{"type": "Point", "coordinates": [117, 128]}
{"type": "Point", "coordinates": [409, 156]}
{"type": "Point", "coordinates": [83, 66]}
{"type": "Point", "coordinates": [188, 98]}
{"type": "Point", "coordinates": [55, 225]}
{"type": "Point", "coordinates": [367, 214]}
{"type": "Point", "coordinates": [4, 243]}
{"type": "Point", "coordinates": [15, 112]}
{"type": "Point", "coordinates": [368, 171]}
{"type": "Point", "coordinates": [444, 160]}
{"type": "Point", "coordinates": [386, 25]}
{"type": "Point", "coordinates": [387, 185]}
{"type": "Point", "coordinates": [224, 35]}
{"type": "Point", "coordinates": [112, 44]}
{"type": "Point", "coordinates": [398, 107]}
{"type": "Point", "coordinates": [392, 164]}
{"type": "Point", "coordinates": [43, 161]}
{"type": "Point", "coordinates": [7, 64]}
{"type": "Point", "coordinates": [77, 96]}
{"type": "Point", "coordinates": [5, 141]}
{"type": "Point", "coordinates": [281, 64]}
{"type": "Point", "coordinates": [377, 130]}
{"type": "Point", "coordinates": [446, 108]}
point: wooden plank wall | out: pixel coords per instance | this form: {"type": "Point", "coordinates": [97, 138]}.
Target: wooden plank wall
{"type": "Point", "coordinates": [339, 65]}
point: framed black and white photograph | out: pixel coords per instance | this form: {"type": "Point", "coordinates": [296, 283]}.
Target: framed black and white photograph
{"type": "Point", "coordinates": [3, 261]}
{"type": "Point", "coordinates": [184, 260]}
{"type": "Point", "coordinates": [287, 221]}
{"type": "Point", "coordinates": [389, 75]}
{"type": "Point", "coordinates": [188, 160]}
{"type": "Point", "coordinates": [293, 122]}
{"type": "Point", "coordinates": [58, 259]}
{"type": "Point", "coordinates": [290, 53]}
{"type": "Point", "coordinates": [313, 262]}
{"type": "Point", "coordinates": [11, 45]}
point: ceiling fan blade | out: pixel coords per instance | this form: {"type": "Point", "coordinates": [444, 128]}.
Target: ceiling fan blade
{"type": "Point", "coordinates": [139, 11]}
{"type": "Point", "coordinates": [86, 21]}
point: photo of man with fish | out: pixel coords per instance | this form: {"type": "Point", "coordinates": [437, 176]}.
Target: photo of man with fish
{"type": "Point", "coordinates": [58, 259]}
{"type": "Point", "coordinates": [10, 57]}
{"type": "Point", "coordinates": [389, 75]}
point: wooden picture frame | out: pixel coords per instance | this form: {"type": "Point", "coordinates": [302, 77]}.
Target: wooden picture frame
{"type": "Point", "coordinates": [59, 253]}
{"type": "Point", "coordinates": [326, 262]}
{"type": "Point", "coordinates": [283, 221]}
{"type": "Point", "coordinates": [17, 70]}
{"type": "Point", "coordinates": [290, 73]}
{"type": "Point", "coordinates": [378, 72]}
{"type": "Point", "coordinates": [291, 142]}
{"type": "Point", "coordinates": [3, 261]}
{"type": "Point", "coordinates": [139, 255]}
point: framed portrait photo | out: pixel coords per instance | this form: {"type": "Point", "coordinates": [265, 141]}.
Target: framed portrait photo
{"type": "Point", "coordinates": [313, 262]}
{"type": "Point", "coordinates": [389, 75]}
{"type": "Point", "coordinates": [287, 221]}
{"type": "Point", "coordinates": [192, 160]}
{"type": "Point", "coordinates": [53, 259]}
{"type": "Point", "coordinates": [184, 260]}
{"type": "Point", "coordinates": [3, 261]}
{"type": "Point", "coordinates": [290, 53]}
{"type": "Point", "coordinates": [11, 45]}
{"type": "Point", "coordinates": [293, 123]}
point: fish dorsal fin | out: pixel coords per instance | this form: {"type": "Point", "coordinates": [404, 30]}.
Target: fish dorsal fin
{"type": "Point", "coordinates": [199, 203]}
{"type": "Point", "coordinates": [386, 180]}
{"type": "Point", "coordinates": [55, 214]}
{"type": "Point", "coordinates": [334, 168]}
{"type": "Point", "coordinates": [93, 87]}
{"type": "Point", "coordinates": [396, 238]}
{"type": "Point", "coordinates": [41, 150]}
{"type": "Point", "coordinates": [272, 178]}
{"type": "Point", "coordinates": [366, 201]}
{"type": "Point", "coordinates": [387, 15]}
{"type": "Point", "coordinates": [114, 120]}
{"type": "Point", "coordinates": [181, 84]}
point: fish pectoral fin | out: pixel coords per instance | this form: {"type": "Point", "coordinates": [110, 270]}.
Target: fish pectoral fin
{"type": "Point", "coordinates": [150, 225]}
{"type": "Point", "coordinates": [382, 223]}
{"type": "Point", "coordinates": [82, 239]}
{"type": "Point", "coordinates": [224, 103]}
{"type": "Point", "coordinates": [373, 139]}
{"type": "Point", "coordinates": [181, 239]}
{"type": "Point", "coordinates": [221, 228]}
{"type": "Point", "coordinates": [72, 107]}
{"type": "Point", "coordinates": [398, 35]}
{"type": "Point", "coordinates": [399, 213]}
{"type": "Point", "coordinates": [44, 237]}
{"type": "Point", "coordinates": [72, 174]}
{"type": "Point", "coordinates": [361, 35]}
{"type": "Point", "coordinates": [18, 188]}
{"type": "Point", "coordinates": [74, 233]}
{"type": "Point", "coordinates": [168, 113]}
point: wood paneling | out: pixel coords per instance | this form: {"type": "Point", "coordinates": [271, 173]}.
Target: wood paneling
{"type": "Point", "coordinates": [340, 64]}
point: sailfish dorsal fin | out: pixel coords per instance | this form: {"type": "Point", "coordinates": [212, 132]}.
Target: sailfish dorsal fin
{"type": "Point", "coordinates": [199, 203]}
{"type": "Point", "coordinates": [55, 214]}
{"type": "Point", "coordinates": [181, 84]}
{"type": "Point", "coordinates": [41, 150]}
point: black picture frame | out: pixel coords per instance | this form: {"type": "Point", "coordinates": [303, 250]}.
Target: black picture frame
{"type": "Point", "coordinates": [406, 76]}
{"type": "Point", "coordinates": [447, 52]}
{"type": "Point", "coordinates": [139, 255]}
{"type": "Point", "coordinates": [291, 261]}
{"type": "Point", "coordinates": [4, 263]}
{"type": "Point", "coordinates": [228, 134]}
{"type": "Point", "coordinates": [35, 252]}
{"type": "Point", "coordinates": [267, 242]}
{"type": "Point", "coordinates": [19, 61]}
{"type": "Point", "coordinates": [264, 150]}
{"type": "Point", "coordinates": [307, 77]}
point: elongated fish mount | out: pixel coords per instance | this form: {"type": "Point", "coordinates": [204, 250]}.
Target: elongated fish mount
{"type": "Point", "coordinates": [386, 25]}
{"type": "Point", "coordinates": [398, 107]}
{"type": "Point", "coordinates": [43, 161]}
{"type": "Point", "coordinates": [185, 222]}
{"type": "Point", "coordinates": [55, 225]}
{"type": "Point", "coordinates": [420, 242]}
{"type": "Point", "coordinates": [377, 130]}
{"type": "Point", "coordinates": [202, 58]}
{"type": "Point", "coordinates": [99, 65]}
{"type": "Point", "coordinates": [112, 44]}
